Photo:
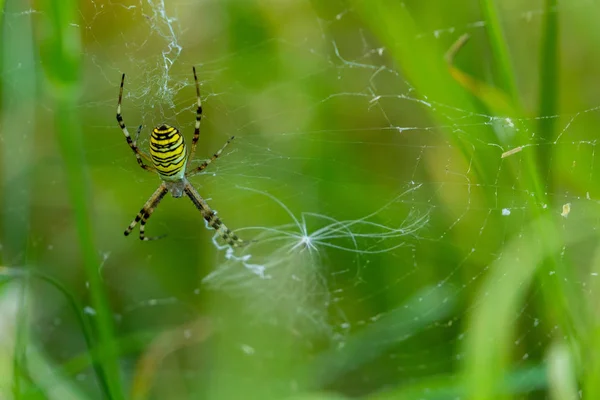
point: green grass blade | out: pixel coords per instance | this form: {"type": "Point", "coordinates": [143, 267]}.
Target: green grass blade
{"type": "Point", "coordinates": [421, 62]}
{"type": "Point", "coordinates": [518, 381]}
{"type": "Point", "coordinates": [424, 65]}
{"type": "Point", "coordinates": [561, 372]}
{"type": "Point", "coordinates": [426, 307]}
{"type": "Point", "coordinates": [19, 94]}
{"type": "Point", "coordinates": [83, 320]}
{"type": "Point", "coordinates": [61, 50]}
{"type": "Point", "coordinates": [488, 345]}
{"type": "Point", "coordinates": [548, 91]}
{"type": "Point", "coordinates": [494, 99]}
{"type": "Point", "coordinates": [591, 357]}
{"type": "Point", "coordinates": [54, 385]}
{"type": "Point", "coordinates": [506, 75]}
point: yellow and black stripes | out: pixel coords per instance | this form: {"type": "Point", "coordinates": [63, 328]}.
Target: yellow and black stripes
{"type": "Point", "coordinates": [169, 156]}
{"type": "Point", "coordinates": [167, 148]}
{"type": "Point", "coordinates": [211, 218]}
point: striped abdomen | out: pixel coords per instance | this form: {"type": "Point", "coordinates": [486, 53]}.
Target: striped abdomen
{"type": "Point", "coordinates": [169, 155]}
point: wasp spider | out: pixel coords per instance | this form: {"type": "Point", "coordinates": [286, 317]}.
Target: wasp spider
{"type": "Point", "coordinates": [169, 157]}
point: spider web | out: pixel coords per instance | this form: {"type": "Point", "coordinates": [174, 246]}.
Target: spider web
{"type": "Point", "coordinates": [359, 209]}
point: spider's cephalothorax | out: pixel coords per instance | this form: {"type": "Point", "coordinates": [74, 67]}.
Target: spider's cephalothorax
{"type": "Point", "coordinates": [169, 156]}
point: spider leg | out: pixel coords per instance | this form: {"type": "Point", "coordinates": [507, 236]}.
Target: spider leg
{"type": "Point", "coordinates": [146, 212]}
{"type": "Point", "coordinates": [142, 153]}
{"type": "Point", "coordinates": [207, 162]}
{"type": "Point", "coordinates": [198, 115]}
{"type": "Point", "coordinates": [130, 142]}
{"type": "Point", "coordinates": [211, 218]}
{"type": "Point", "coordinates": [143, 228]}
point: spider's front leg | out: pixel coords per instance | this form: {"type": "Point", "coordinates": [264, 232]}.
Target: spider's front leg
{"type": "Point", "coordinates": [138, 153]}
{"type": "Point", "coordinates": [206, 163]}
{"type": "Point", "coordinates": [198, 115]}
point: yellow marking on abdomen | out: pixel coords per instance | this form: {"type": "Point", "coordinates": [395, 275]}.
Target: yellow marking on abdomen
{"type": "Point", "coordinates": [170, 169]}
{"type": "Point", "coordinates": [166, 135]}
{"type": "Point", "coordinates": [168, 150]}
{"type": "Point", "coordinates": [168, 129]}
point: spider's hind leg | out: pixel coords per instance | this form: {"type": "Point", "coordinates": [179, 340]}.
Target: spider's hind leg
{"type": "Point", "coordinates": [146, 212]}
{"type": "Point", "coordinates": [143, 227]}
{"type": "Point", "coordinates": [211, 218]}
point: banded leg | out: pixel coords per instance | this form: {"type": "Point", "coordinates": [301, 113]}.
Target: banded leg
{"type": "Point", "coordinates": [146, 212]}
{"type": "Point", "coordinates": [137, 136]}
{"type": "Point", "coordinates": [211, 218]}
{"type": "Point", "coordinates": [205, 164]}
{"type": "Point", "coordinates": [198, 115]}
{"type": "Point", "coordinates": [131, 143]}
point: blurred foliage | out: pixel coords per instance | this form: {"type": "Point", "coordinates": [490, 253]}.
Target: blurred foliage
{"type": "Point", "coordinates": [424, 209]}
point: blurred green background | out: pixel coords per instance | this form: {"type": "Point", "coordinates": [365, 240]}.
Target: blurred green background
{"type": "Point", "coordinates": [397, 250]}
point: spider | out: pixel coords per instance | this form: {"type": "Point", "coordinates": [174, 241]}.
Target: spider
{"type": "Point", "coordinates": [169, 157]}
